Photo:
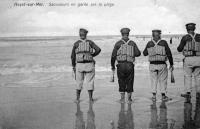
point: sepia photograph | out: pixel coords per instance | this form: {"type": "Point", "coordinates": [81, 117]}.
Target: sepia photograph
{"type": "Point", "coordinates": [100, 64]}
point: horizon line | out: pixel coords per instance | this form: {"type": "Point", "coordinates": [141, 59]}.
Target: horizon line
{"type": "Point", "coordinates": [28, 36]}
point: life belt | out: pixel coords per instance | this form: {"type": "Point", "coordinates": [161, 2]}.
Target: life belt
{"type": "Point", "coordinates": [126, 52]}
{"type": "Point", "coordinates": [84, 52]}
{"type": "Point", "coordinates": [192, 47]}
{"type": "Point", "coordinates": [157, 53]}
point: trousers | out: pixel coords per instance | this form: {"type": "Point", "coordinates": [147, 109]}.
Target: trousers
{"type": "Point", "coordinates": [85, 72]}
{"type": "Point", "coordinates": [158, 75]}
{"type": "Point", "coordinates": [125, 74]}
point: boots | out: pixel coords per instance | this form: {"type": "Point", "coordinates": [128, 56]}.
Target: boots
{"type": "Point", "coordinates": [78, 92]}
{"type": "Point", "coordinates": [154, 97]}
{"type": "Point", "coordinates": [164, 97]}
{"type": "Point", "coordinates": [129, 97]}
{"type": "Point", "coordinates": [122, 97]}
{"type": "Point", "coordinates": [90, 92]}
{"type": "Point", "coordinates": [187, 97]}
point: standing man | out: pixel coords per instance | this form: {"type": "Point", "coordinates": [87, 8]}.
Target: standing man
{"type": "Point", "coordinates": [158, 51]}
{"type": "Point", "coordinates": [190, 47]}
{"type": "Point", "coordinates": [125, 51]}
{"type": "Point", "coordinates": [83, 63]}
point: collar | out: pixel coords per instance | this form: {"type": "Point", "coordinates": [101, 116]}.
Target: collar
{"type": "Point", "coordinates": [83, 40]}
{"type": "Point", "coordinates": [125, 41]}
{"type": "Point", "coordinates": [155, 41]}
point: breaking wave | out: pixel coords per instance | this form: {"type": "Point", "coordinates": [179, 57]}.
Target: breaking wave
{"type": "Point", "coordinates": [15, 69]}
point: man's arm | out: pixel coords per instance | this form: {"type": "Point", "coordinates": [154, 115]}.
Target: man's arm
{"type": "Point", "coordinates": [136, 50]}
{"type": "Point", "coordinates": [182, 44]}
{"type": "Point", "coordinates": [145, 52]}
{"type": "Point", "coordinates": [96, 48]}
{"type": "Point", "coordinates": [113, 57]}
{"type": "Point", "coordinates": [73, 56]}
{"type": "Point", "coordinates": [169, 54]}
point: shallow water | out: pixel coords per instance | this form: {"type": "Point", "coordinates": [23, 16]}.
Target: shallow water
{"type": "Point", "coordinates": [37, 91]}
{"type": "Point", "coordinates": [50, 105]}
{"type": "Point", "coordinates": [53, 55]}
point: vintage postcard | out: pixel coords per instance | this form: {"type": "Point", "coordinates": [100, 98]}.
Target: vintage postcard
{"type": "Point", "coordinates": [99, 64]}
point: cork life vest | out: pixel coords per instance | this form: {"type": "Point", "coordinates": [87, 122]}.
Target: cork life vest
{"type": "Point", "coordinates": [157, 53]}
{"type": "Point", "coordinates": [192, 47]}
{"type": "Point", "coordinates": [84, 52]}
{"type": "Point", "coordinates": [126, 52]}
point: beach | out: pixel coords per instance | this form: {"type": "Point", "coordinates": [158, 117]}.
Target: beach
{"type": "Point", "coordinates": [38, 90]}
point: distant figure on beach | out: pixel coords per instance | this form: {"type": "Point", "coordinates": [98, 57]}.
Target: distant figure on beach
{"type": "Point", "coordinates": [190, 47]}
{"type": "Point", "coordinates": [83, 63]}
{"type": "Point", "coordinates": [125, 51]}
{"type": "Point", "coordinates": [158, 51]}
{"type": "Point", "coordinates": [170, 40]}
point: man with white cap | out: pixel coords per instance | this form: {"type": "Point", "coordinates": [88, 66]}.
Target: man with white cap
{"type": "Point", "coordinates": [125, 51]}
{"type": "Point", "coordinates": [83, 63]}
{"type": "Point", "coordinates": [158, 51]}
{"type": "Point", "coordinates": [190, 47]}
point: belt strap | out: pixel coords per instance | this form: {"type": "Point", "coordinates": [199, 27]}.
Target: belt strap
{"type": "Point", "coordinates": [125, 41]}
{"type": "Point", "coordinates": [193, 37]}
{"type": "Point", "coordinates": [156, 43]}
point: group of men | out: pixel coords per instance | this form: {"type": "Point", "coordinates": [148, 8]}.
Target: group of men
{"type": "Point", "coordinates": [125, 51]}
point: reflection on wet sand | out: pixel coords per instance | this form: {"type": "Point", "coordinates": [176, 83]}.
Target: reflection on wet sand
{"type": "Point", "coordinates": [90, 117]}
{"type": "Point", "coordinates": [159, 122]}
{"type": "Point", "coordinates": [80, 123]}
{"type": "Point", "coordinates": [154, 116]}
{"type": "Point", "coordinates": [163, 116]}
{"type": "Point", "coordinates": [189, 122]}
{"type": "Point", "coordinates": [125, 118]}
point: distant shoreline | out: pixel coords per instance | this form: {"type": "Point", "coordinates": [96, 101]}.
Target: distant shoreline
{"type": "Point", "coordinates": [34, 38]}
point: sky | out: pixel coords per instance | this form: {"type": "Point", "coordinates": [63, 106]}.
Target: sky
{"type": "Point", "coordinates": [141, 16]}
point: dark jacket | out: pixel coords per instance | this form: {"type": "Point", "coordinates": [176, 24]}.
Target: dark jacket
{"type": "Point", "coordinates": [184, 40]}
{"type": "Point", "coordinates": [116, 48]}
{"type": "Point", "coordinates": [167, 49]}
{"type": "Point", "coordinates": [76, 44]}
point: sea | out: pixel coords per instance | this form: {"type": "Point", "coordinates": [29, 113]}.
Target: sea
{"type": "Point", "coordinates": [53, 54]}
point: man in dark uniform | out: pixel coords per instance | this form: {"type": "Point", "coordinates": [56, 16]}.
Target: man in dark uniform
{"type": "Point", "coordinates": [158, 51]}
{"type": "Point", "coordinates": [83, 63]}
{"type": "Point", "coordinates": [190, 47]}
{"type": "Point", "coordinates": [125, 51]}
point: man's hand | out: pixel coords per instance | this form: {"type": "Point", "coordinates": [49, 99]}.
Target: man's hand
{"type": "Point", "coordinates": [112, 79]}
{"type": "Point", "coordinates": [113, 68]}
{"type": "Point", "coordinates": [74, 69]}
{"type": "Point", "coordinates": [171, 68]}
{"type": "Point", "coordinates": [74, 72]}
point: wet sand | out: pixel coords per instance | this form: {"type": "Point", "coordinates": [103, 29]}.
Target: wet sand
{"type": "Point", "coordinates": [50, 104]}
